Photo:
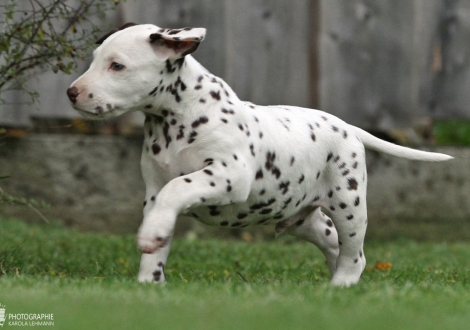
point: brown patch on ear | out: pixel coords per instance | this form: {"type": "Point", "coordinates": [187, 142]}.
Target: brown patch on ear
{"type": "Point", "coordinates": [103, 38]}
{"type": "Point", "coordinates": [183, 47]}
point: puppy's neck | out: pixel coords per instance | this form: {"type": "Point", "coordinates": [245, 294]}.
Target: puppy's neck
{"type": "Point", "coordinates": [185, 86]}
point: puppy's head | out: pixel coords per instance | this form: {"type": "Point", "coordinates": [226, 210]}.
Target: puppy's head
{"type": "Point", "coordinates": [127, 66]}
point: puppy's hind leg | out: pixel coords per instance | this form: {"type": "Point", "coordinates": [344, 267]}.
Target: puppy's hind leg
{"type": "Point", "coordinates": [317, 228]}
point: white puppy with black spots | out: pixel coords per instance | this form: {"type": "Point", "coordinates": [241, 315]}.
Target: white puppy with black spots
{"type": "Point", "coordinates": [228, 162]}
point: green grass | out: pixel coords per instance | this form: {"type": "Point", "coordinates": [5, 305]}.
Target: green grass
{"type": "Point", "coordinates": [88, 282]}
{"type": "Point", "coordinates": [455, 132]}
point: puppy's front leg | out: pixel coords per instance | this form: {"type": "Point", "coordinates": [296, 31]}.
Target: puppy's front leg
{"type": "Point", "coordinates": [213, 185]}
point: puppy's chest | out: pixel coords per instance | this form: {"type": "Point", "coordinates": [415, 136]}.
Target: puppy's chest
{"type": "Point", "coordinates": [169, 140]}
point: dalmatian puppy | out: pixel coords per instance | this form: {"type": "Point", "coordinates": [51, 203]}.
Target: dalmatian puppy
{"type": "Point", "coordinates": [227, 162]}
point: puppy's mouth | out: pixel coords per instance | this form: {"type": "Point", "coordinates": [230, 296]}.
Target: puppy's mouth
{"type": "Point", "coordinates": [98, 112]}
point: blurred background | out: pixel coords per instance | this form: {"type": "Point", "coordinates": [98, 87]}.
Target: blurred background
{"type": "Point", "coordinates": [397, 68]}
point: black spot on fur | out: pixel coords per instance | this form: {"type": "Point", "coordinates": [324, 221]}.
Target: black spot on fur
{"type": "Point", "coordinates": [356, 201]}
{"type": "Point", "coordinates": [265, 211]}
{"type": "Point", "coordinates": [215, 95]}
{"type": "Point", "coordinates": [180, 133]}
{"type": "Point", "coordinates": [328, 158]}
{"type": "Point", "coordinates": [201, 120]}
{"type": "Point", "coordinates": [261, 205]}
{"type": "Point", "coordinates": [168, 139]}
{"type": "Point", "coordinates": [276, 172]}
{"type": "Point", "coordinates": [156, 275]}
{"type": "Point", "coordinates": [259, 174]}
{"type": "Point", "coordinates": [214, 213]}
{"type": "Point", "coordinates": [352, 184]}
{"type": "Point", "coordinates": [270, 157]}
{"type": "Point", "coordinates": [286, 203]}
{"type": "Point", "coordinates": [302, 178]}
{"type": "Point", "coordinates": [156, 149]}
{"type": "Point", "coordinates": [252, 149]}
{"type": "Point", "coordinates": [284, 186]}
{"type": "Point", "coordinates": [192, 136]}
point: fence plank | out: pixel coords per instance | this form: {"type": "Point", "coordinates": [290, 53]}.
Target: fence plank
{"type": "Point", "coordinates": [451, 97]}
{"type": "Point", "coordinates": [366, 56]}
{"type": "Point", "coordinates": [388, 63]}
{"type": "Point", "coordinates": [267, 50]}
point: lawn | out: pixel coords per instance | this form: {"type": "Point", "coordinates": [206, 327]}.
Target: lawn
{"type": "Point", "coordinates": [87, 281]}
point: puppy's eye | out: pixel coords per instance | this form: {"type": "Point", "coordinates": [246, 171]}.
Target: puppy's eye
{"type": "Point", "coordinates": [116, 66]}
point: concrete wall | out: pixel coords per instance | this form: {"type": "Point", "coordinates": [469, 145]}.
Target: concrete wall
{"type": "Point", "coordinates": [94, 183]}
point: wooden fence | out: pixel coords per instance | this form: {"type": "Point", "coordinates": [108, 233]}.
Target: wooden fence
{"type": "Point", "coordinates": [387, 63]}
{"type": "Point", "coordinates": [375, 63]}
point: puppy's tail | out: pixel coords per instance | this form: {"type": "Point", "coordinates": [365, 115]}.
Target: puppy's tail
{"type": "Point", "coordinates": [373, 143]}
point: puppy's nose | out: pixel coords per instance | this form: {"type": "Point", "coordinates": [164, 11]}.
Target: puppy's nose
{"type": "Point", "coordinates": [72, 93]}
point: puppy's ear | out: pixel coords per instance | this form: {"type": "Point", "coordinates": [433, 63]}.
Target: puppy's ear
{"type": "Point", "coordinates": [103, 38]}
{"type": "Point", "coordinates": [177, 43]}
